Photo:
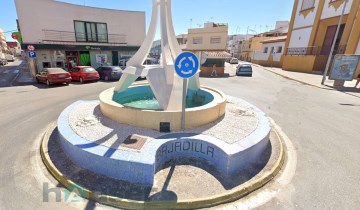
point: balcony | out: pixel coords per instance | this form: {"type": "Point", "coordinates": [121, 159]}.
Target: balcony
{"type": "Point", "coordinates": [315, 50]}
{"type": "Point", "coordinates": [65, 37]}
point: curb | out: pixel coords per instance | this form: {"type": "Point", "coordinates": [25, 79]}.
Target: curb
{"type": "Point", "coordinates": [227, 197]}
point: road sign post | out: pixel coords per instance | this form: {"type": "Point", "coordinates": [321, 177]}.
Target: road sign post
{"type": "Point", "coordinates": [186, 66]}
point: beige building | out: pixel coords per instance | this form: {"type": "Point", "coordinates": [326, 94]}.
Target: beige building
{"type": "Point", "coordinates": [312, 32]}
{"type": "Point", "coordinates": [3, 45]}
{"type": "Point", "coordinates": [209, 42]}
{"type": "Point", "coordinates": [66, 34]}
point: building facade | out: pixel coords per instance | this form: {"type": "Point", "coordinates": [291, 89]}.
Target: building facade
{"type": "Point", "coordinates": [234, 41]}
{"type": "Point", "coordinates": [312, 32]}
{"type": "Point", "coordinates": [65, 35]}
{"type": "Point", "coordinates": [209, 42]}
{"type": "Point", "coordinates": [3, 46]}
{"type": "Point", "coordinates": [252, 49]}
{"type": "Point", "coordinates": [271, 52]}
{"type": "Point", "coordinates": [14, 48]}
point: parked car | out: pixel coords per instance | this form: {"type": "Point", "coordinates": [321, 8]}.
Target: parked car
{"type": "Point", "coordinates": [51, 76]}
{"type": "Point", "coordinates": [10, 58]}
{"type": "Point", "coordinates": [244, 70]}
{"type": "Point", "coordinates": [109, 72]}
{"type": "Point", "coordinates": [234, 61]}
{"type": "Point", "coordinates": [3, 62]}
{"type": "Point", "coordinates": [84, 74]}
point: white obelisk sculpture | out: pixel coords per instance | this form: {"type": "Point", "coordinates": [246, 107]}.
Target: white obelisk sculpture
{"type": "Point", "coordinates": [165, 83]}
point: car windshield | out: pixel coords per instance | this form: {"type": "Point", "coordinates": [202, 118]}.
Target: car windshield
{"type": "Point", "coordinates": [88, 69]}
{"type": "Point", "coordinates": [56, 70]}
{"type": "Point", "coordinates": [116, 68]}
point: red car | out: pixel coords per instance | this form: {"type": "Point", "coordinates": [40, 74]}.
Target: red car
{"type": "Point", "coordinates": [84, 73]}
{"type": "Point", "coordinates": [51, 76]}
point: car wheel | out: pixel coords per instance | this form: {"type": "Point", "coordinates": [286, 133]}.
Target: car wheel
{"type": "Point", "coordinates": [48, 83]}
{"type": "Point", "coordinates": [107, 78]}
{"type": "Point", "coordinates": [37, 80]}
{"type": "Point", "coordinates": [68, 83]}
{"type": "Point", "coordinates": [81, 80]}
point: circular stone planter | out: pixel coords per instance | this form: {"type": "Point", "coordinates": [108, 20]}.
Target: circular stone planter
{"type": "Point", "coordinates": [194, 117]}
{"type": "Point", "coordinates": [138, 165]}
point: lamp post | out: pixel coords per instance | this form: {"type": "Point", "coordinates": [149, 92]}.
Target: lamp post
{"type": "Point", "coordinates": [333, 44]}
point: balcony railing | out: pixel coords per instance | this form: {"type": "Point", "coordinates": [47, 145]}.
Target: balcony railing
{"type": "Point", "coordinates": [65, 36]}
{"type": "Point", "coordinates": [318, 50]}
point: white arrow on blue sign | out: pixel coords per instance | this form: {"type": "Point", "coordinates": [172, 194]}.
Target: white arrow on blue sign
{"type": "Point", "coordinates": [186, 65]}
{"type": "Point", "coordinates": [32, 54]}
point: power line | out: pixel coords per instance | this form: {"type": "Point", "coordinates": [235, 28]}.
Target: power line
{"type": "Point", "coordinates": [9, 31]}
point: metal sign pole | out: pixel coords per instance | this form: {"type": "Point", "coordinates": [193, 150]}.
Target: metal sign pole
{"type": "Point", "coordinates": [333, 45]}
{"type": "Point", "coordinates": [183, 104]}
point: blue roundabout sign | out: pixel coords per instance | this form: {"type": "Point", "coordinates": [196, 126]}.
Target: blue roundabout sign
{"type": "Point", "coordinates": [186, 65]}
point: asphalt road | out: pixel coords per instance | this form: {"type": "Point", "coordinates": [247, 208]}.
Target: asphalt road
{"type": "Point", "coordinates": [9, 72]}
{"type": "Point", "coordinates": [322, 124]}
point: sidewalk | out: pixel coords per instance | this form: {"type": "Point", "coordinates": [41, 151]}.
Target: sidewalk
{"type": "Point", "coordinates": [315, 80]}
{"type": "Point", "coordinates": [24, 77]}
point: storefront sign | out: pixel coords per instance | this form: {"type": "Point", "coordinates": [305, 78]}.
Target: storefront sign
{"type": "Point", "coordinates": [344, 67]}
{"type": "Point", "coordinates": [101, 58]}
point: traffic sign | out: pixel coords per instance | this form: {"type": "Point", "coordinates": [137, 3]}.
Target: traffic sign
{"type": "Point", "coordinates": [31, 47]}
{"type": "Point", "coordinates": [186, 65]}
{"type": "Point", "coordinates": [32, 54]}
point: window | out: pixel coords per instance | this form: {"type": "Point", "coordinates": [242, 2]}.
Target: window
{"type": "Point", "coordinates": [46, 65]}
{"type": "Point", "coordinates": [266, 50]}
{"type": "Point", "coordinates": [90, 32]}
{"type": "Point", "coordinates": [272, 50]}
{"type": "Point", "coordinates": [197, 40]}
{"type": "Point", "coordinates": [307, 4]}
{"type": "Point", "coordinates": [60, 64]}
{"type": "Point", "coordinates": [215, 40]}
{"type": "Point", "coordinates": [279, 49]}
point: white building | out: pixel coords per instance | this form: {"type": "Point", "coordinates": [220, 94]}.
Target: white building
{"type": "Point", "coordinates": [63, 33]}
{"type": "Point", "coordinates": [271, 52]}
{"type": "Point", "coordinates": [312, 32]}
{"type": "Point", "coordinates": [233, 45]}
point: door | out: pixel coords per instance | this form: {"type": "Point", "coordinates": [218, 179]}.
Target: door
{"type": "Point", "coordinates": [71, 62]}
{"type": "Point", "coordinates": [329, 39]}
{"type": "Point", "coordinates": [75, 73]}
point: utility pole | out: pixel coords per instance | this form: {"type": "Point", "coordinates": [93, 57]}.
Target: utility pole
{"type": "Point", "coordinates": [333, 44]}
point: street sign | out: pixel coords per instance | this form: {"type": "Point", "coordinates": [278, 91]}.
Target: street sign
{"type": "Point", "coordinates": [186, 65]}
{"type": "Point", "coordinates": [344, 67]}
{"type": "Point", "coordinates": [32, 55]}
{"type": "Point", "coordinates": [31, 47]}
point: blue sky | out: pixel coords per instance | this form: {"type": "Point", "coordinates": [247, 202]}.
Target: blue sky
{"type": "Point", "coordinates": [259, 15]}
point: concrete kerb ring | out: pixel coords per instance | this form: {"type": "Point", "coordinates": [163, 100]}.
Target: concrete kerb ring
{"type": "Point", "coordinates": [227, 197]}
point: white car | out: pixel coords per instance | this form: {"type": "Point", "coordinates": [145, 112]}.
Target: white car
{"type": "Point", "coordinates": [234, 61]}
{"type": "Point", "coordinates": [10, 58]}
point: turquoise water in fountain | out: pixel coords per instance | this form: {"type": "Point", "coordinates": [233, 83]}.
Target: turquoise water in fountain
{"type": "Point", "coordinates": [142, 97]}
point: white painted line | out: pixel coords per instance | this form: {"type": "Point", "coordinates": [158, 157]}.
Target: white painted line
{"type": "Point", "coordinates": [6, 72]}
{"type": "Point", "coordinates": [16, 71]}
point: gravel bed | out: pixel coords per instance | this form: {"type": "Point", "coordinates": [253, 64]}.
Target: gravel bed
{"type": "Point", "coordinates": [88, 122]}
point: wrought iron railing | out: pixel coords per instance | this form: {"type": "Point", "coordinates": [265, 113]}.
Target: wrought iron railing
{"type": "Point", "coordinates": [66, 36]}
{"type": "Point", "coordinates": [315, 50]}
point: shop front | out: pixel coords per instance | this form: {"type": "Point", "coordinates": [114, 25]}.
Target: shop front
{"type": "Point", "coordinates": [69, 56]}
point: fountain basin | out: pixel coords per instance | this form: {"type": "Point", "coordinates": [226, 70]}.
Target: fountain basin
{"type": "Point", "coordinates": [151, 117]}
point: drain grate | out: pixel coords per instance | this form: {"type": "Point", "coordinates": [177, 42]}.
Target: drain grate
{"type": "Point", "coordinates": [134, 141]}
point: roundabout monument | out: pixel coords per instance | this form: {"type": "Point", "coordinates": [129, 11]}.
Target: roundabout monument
{"type": "Point", "coordinates": [135, 131]}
